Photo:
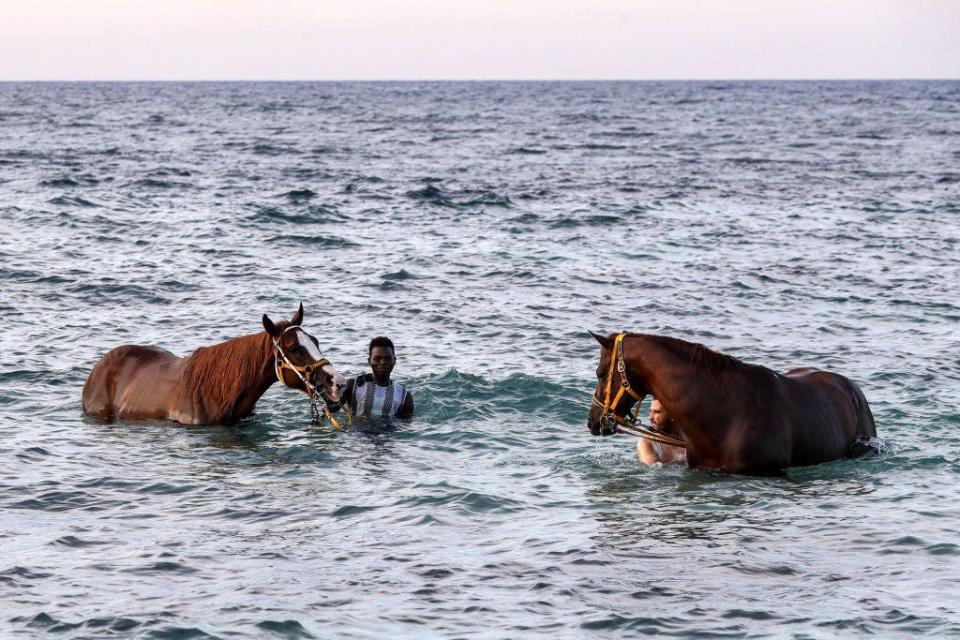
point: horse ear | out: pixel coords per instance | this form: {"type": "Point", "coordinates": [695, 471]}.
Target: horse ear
{"type": "Point", "coordinates": [297, 317]}
{"type": "Point", "coordinates": [270, 327]}
{"type": "Point", "coordinates": [604, 341]}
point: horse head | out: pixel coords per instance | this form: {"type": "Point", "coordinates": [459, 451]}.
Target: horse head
{"type": "Point", "coordinates": [299, 363]}
{"type": "Point", "coordinates": [614, 396]}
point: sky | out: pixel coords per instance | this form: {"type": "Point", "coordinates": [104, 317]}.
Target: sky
{"type": "Point", "coordinates": [478, 39]}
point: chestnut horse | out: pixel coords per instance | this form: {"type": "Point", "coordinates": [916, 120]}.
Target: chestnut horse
{"type": "Point", "coordinates": [734, 416]}
{"type": "Point", "coordinates": [214, 385]}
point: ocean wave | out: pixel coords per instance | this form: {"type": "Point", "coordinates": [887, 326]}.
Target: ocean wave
{"type": "Point", "coordinates": [155, 183]}
{"type": "Point", "coordinates": [284, 628]}
{"type": "Point", "coordinates": [65, 501]}
{"type": "Point", "coordinates": [323, 151]}
{"type": "Point", "coordinates": [459, 199]}
{"type": "Point", "coordinates": [163, 172]}
{"type": "Point", "coordinates": [84, 180]}
{"type": "Point", "coordinates": [266, 149]}
{"type": "Point", "coordinates": [120, 625]}
{"type": "Point", "coordinates": [273, 214]}
{"type": "Point", "coordinates": [325, 242]}
{"type": "Point", "coordinates": [525, 218]}
{"type": "Point", "coordinates": [23, 154]}
{"type": "Point", "coordinates": [469, 396]}
{"type": "Point", "coordinates": [296, 196]}
{"type": "Point", "coordinates": [113, 291]}
{"type": "Point", "coordinates": [73, 201]}
{"type": "Point", "coordinates": [570, 221]}
{"type": "Point", "coordinates": [627, 132]}
{"type": "Point", "coordinates": [73, 542]}
{"type": "Point", "coordinates": [284, 106]}
{"type": "Point", "coordinates": [443, 496]}
{"type": "Point", "coordinates": [400, 275]}
{"type": "Point", "coordinates": [526, 151]}
{"type": "Point", "coordinates": [33, 277]}
{"type": "Point", "coordinates": [601, 146]}
{"type": "Point", "coordinates": [431, 194]}
{"type": "Point", "coordinates": [314, 214]}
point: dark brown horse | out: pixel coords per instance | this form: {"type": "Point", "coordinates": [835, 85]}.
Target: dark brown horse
{"type": "Point", "coordinates": [735, 416]}
{"type": "Point", "coordinates": [214, 385]}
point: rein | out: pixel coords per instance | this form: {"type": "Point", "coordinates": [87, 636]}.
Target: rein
{"type": "Point", "coordinates": [629, 424]}
{"type": "Point", "coordinates": [281, 361]}
{"type": "Point", "coordinates": [644, 432]}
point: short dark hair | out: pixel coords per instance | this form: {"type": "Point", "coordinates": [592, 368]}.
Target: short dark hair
{"type": "Point", "coordinates": [381, 341]}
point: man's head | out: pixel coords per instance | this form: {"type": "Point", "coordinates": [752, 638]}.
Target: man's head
{"type": "Point", "coordinates": [382, 357]}
{"type": "Point", "coordinates": [658, 417]}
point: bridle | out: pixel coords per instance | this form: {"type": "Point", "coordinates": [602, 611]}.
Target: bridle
{"type": "Point", "coordinates": [303, 372]}
{"type": "Point", "coordinates": [628, 424]}
{"type": "Point", "coordinates": [608, 415]}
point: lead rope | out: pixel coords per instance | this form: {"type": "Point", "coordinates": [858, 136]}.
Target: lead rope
{"type": "Point", "coordinates": [647, 433]}
{"type": "Point", "coordinates": [316, 416]}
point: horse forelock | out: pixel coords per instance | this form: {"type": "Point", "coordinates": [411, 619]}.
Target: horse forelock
{"type": "Point", "coordinates": [217, 375]}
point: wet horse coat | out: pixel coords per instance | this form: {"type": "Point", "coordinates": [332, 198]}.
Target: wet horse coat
{"type": "Point", "coordinates": [219, 384]}
{"type": "Point", "coordinates": [735, 416]}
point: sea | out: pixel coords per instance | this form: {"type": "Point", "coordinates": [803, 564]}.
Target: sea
{"type": "Point", "coordinates": [484, 227]}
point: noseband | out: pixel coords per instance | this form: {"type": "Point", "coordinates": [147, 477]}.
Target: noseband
{"type": "Point", "coordinates": [281, 361]}
{"type": "Point", "coordinates": [630, 423]}
{"type": "Point", "coordinates": [608, 415]}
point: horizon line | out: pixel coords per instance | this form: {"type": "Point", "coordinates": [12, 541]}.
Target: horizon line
{"type": "Point", "coordinates": [384, 80]}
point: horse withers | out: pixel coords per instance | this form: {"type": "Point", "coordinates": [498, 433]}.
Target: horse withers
{"type": "Point", "coordinates": [734, 416]}
{"type": "Point", "coordinates": [219, 384]}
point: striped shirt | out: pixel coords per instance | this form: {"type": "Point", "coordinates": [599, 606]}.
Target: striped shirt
{"type": "Point", "coordinates": [372, 401]}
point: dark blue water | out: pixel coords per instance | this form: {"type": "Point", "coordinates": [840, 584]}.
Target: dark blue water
{"type": "Point", "coordinates": [483, 226]}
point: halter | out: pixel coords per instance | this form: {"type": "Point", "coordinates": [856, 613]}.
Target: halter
{"type": "Point", "coordinates": [628, 424]}
{"type": "Point", "coordinates": [281, 361]}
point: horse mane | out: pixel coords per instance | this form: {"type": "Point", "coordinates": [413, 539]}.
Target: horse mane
{"type": "Point", "coordinates": [700, 355]}
{"type": "Point", "coordinates": [217, 375]}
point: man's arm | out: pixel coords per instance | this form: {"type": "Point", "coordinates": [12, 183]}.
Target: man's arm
{"type": "Point", "coordinates": [645, 452]}
{"type": "Point", "coordinates": [406, 409]}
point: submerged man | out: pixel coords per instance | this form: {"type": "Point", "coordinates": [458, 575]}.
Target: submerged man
{"type": "Point", "coordinates": [373, 395]}
{"type": "Point", "coordinates": [653, 452]}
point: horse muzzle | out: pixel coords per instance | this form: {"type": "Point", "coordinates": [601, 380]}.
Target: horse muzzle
{"type": "Point", "coordinates": [608, 425]}
{"type": "Point", "coordinates": [333, 388]}
{"type": "Point", "coordinates": [332, 404]}
{"type": "Point", "coordinates": [603, 424]}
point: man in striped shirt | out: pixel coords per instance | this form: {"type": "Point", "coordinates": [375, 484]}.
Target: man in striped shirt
{"type": "Point", "coordinates": [374, 395]}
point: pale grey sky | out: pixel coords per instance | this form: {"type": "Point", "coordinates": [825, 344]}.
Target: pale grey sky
{"type": "Point", "coordinates": [477, 39]}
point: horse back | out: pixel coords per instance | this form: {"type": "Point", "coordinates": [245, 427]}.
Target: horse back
{"type": "Point", "coordinates": [829, 415]}
{"type": "Point", "coordinates": [131, 382]}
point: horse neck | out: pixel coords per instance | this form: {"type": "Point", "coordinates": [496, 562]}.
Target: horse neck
{"type": "Point", "coordinates": [230, 376]}
{"type": "Point", "coordinates": [691, 393]}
